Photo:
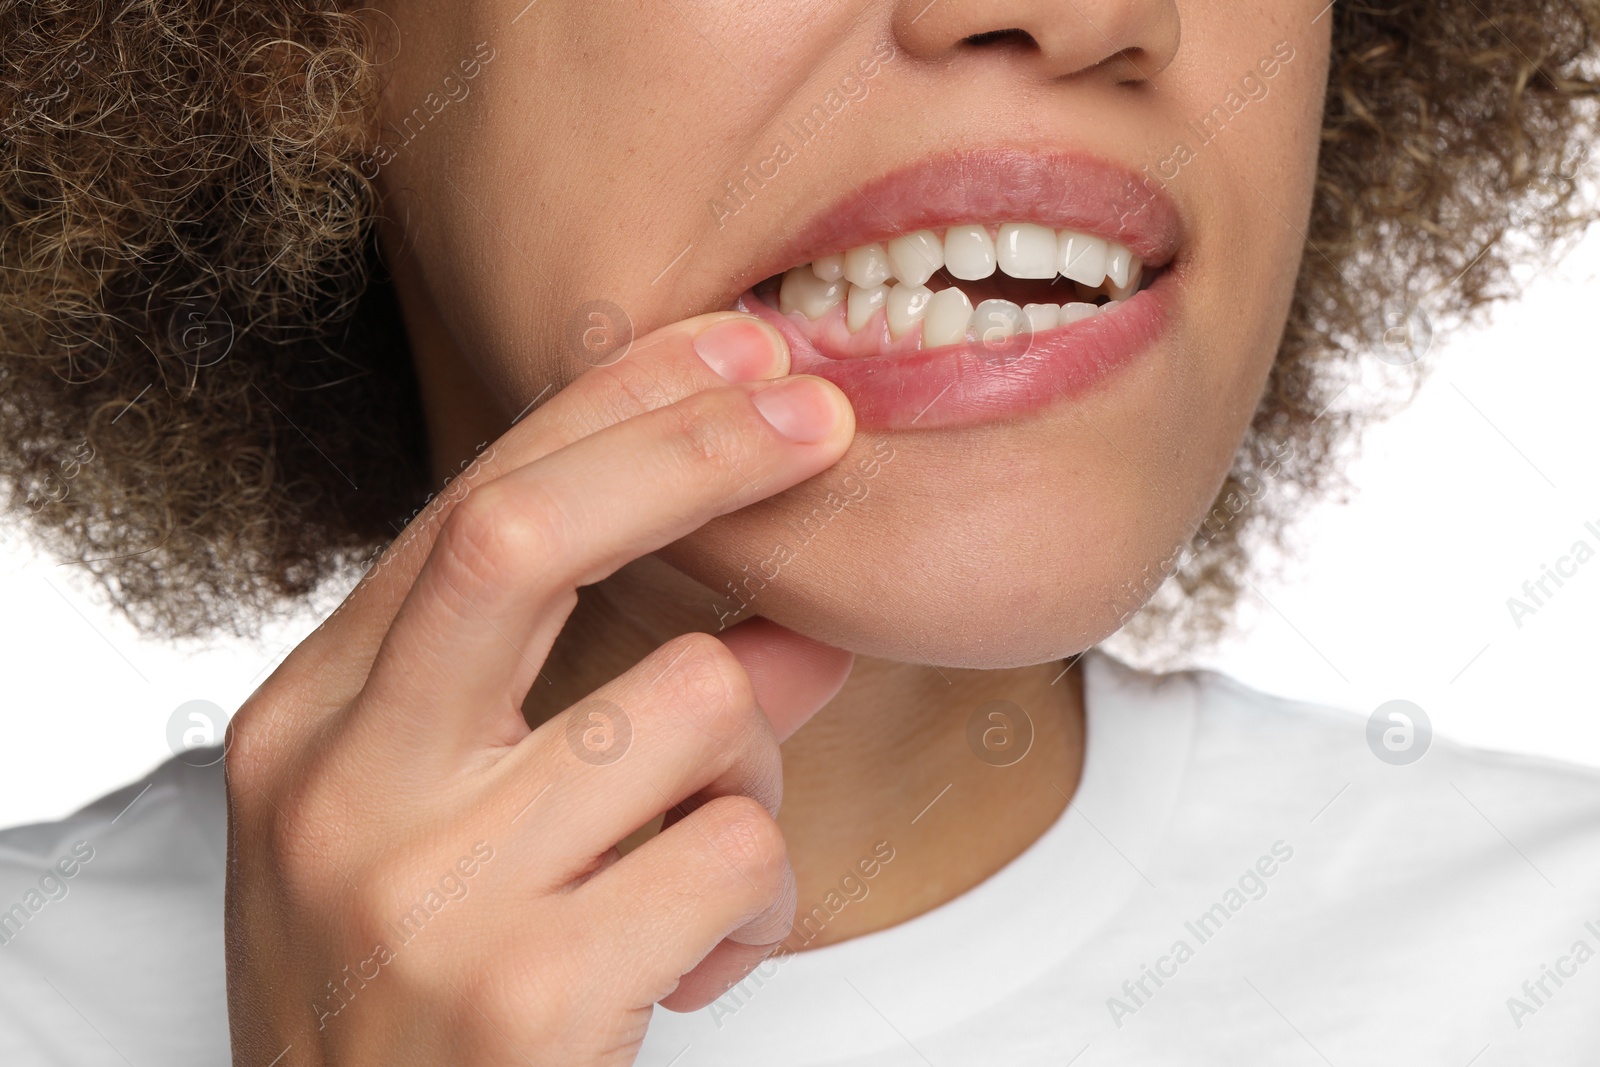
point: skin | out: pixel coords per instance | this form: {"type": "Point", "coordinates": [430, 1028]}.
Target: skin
{"type": "Point", "coordinates": [981, 558]}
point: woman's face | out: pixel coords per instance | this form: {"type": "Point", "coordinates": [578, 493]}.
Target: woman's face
{"type": "Point", "coordinates": [561, 169]}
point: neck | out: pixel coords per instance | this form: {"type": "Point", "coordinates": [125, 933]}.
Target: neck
{"type": "Point", "coordinates": [894, 801]}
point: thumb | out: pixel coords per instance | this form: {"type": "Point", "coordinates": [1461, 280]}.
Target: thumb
{"type": "Point", "coordinates": [793, 675]}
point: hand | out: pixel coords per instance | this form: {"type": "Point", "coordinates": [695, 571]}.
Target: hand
{"type": "Point", "coordinates": [414, 876]}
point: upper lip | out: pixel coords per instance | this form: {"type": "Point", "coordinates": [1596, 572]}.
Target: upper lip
{"type": "Point", "coordinates": [1064, 190]}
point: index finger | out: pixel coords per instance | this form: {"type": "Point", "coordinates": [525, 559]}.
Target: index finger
{"type": "Point", "coordinates": [661, 368]}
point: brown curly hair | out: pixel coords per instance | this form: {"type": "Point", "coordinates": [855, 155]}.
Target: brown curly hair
{"type": "Point", "coordinates": [207, 402]}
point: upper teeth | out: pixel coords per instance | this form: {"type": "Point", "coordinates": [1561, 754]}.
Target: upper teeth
{"type": "Point", "coordinates": [864, 279]}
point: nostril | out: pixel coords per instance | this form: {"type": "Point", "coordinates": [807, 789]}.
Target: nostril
{"type": "Point", "coordinates": [1002, 37]}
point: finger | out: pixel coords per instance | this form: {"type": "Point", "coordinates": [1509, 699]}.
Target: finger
{"type": "Point", "coordinates": [679, 730]}
{"type": "Point", "coordinates": [723, 968]}
{"type": "Point", "coordinates": [659, 369]}
{"type": "Point", "coordinates": [793, 675]}
{"type": "Point", "coordinates": [466, 644]}
{"type": "Point", "coordinates": [720, 876]}
{"type": "Point", "coordinates": [690, 717]}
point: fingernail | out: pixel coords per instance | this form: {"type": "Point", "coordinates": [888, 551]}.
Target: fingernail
{"type": "Point", "coordinates": [743, 350]}
{"type": "Point", "coordinates": [802, 409]}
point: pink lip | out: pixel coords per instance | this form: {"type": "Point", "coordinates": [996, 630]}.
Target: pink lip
{"type": "Point", "coordinates": [1060, 189]}
{"type": "Point", "coordinates": [963, 384]}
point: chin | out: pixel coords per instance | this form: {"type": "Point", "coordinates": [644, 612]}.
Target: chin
{"type": "Point", "coordinates": [991, 566]}
{"type": "Point", "coordinates": [1014, 618]}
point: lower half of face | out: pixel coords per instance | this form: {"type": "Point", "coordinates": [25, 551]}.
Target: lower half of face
{"type": "Point", "coordinates": [1051, 275]}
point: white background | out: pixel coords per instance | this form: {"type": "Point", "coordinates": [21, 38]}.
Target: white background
{"type": "Point", "coordinates": [1401, 593]}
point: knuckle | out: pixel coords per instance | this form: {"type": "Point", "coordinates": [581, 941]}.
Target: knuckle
{"type": "Point", "coordinates": [307, 835]}
{"type": "Point", "coordinates": [390, 899]}
{"type": "Point", "coordinates": [746, 835]}
{"type": "Point", "coordinates": [260, 747]}
{"type": "Point", "coordinates": [246, 759]}
{"type": "Point", "coordinates": [487, 541]}
{"type": "Point", "coordinates": [708, 684]}
{"type": "Point", "coordinates": [720, 433]}
{"type": "Point", "coordinates": [636, 389]}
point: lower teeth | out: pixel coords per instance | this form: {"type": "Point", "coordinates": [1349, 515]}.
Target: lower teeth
{"type": "Point", "coordinates": [946, 316]}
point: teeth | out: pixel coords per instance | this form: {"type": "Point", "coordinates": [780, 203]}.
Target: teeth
{"type": "Point", "coordinates": [1082, 258]}
{"type": "Point", "coordinates": [1123, 290]}
{"type": "Point", "coordinates": [1042, 317]}
{"type": "Point", "coordinates": [828, 268]}
{"type": "Point", "coordinates": [867, 266]}
{"type": "Point", "coordinates": [995, 321]}
{"type": "Point", "coordinates": [916, 256]}
{"type": "Point", "coordinates": [861, 303]}
{"type": "Point", "coordinates": [948, 316]}
{"type": "Point", "coordinates": [906, 306]}
{"type": "Point", "coordinates": [865, 279]}
{"type": "Point", "coordinates": [1119, 264]}
{"type": "Point", "coordinates": [808, 294]}
{"type": "Point", "coordinates": [968, 252]}
{"type": "Point", "coordinates": [1073, 312]}
{"type": "Point", "coordinates": [1027, 250]}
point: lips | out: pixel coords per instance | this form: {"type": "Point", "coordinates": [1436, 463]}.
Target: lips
{"type": "Point", "coordinates": [975, 286]}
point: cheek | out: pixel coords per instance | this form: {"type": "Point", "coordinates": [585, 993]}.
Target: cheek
{"type": "Point", "coordinates": [1252, 93]}
{"type": "Point", "coordinates": [1250, 188]}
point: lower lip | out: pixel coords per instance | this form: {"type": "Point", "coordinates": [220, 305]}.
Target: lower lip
{"type": "Point", "coordinates": [968, 384]}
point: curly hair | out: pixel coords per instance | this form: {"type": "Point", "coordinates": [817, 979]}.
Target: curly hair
{"type": "Point", "coordinates": [208, 404]}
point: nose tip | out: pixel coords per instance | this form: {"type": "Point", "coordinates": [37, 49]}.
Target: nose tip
{"type": "Point", "coordinates": [1118, 41]}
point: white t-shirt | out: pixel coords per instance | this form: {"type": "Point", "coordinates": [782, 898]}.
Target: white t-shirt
{"type": "Point", "coordinates": [1238, 880]}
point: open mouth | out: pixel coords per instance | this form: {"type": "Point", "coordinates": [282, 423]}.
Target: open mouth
{"type": "Point", "coordinates": [963, 284]}
{"type": "Point", "coordinates": [975, 285]}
